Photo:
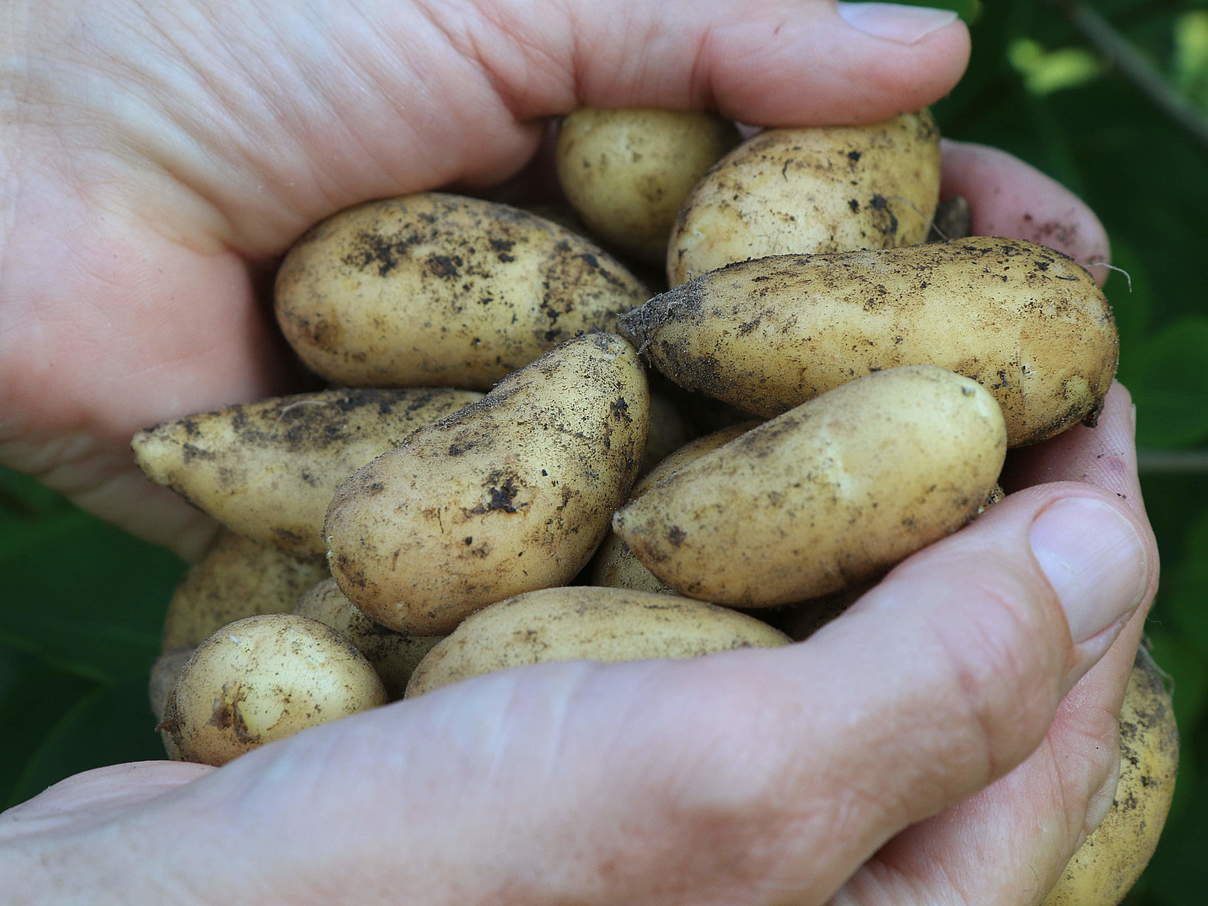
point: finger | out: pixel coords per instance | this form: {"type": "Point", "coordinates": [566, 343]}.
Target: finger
{"type": "Point", "coordinates": [1104, 455]}
{"type": "Point", "coordinates": [1035, 817]}
{"type": "Point", "coordinates": [1010, 198]}
{"type": "Point", "coordinates": [772, 62]}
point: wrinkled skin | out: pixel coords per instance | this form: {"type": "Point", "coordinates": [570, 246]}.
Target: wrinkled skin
{"type": "Point", "coordinates": [157, 158]}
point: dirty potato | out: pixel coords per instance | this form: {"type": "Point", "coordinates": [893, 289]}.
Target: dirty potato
{"type": "Point", "coordinates": [584, 623]}
{"type": "Point", "coordinates": [236, 578]}
{"type": "Point", "coordinates": [830, 493]}
{"type": "Point", "coordinates": [267, 470]}
{"type": "Point", "coordinates": [811, 190]}
{"type": "Point", "coordinates": [509, 495]}
{"type": "Point", "coordinates": [441, 290]}
{"type": "Point", "coordinates": [1024, 321]}
{"type": "Point", "coordinates": [261, 679]}
{"type": "Point", "coordinates": [393, 654]}
{"type": "Point", "coordinates": [628, 171]}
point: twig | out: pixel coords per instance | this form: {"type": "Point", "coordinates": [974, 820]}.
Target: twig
{"type": "Point", "coordinates": [1172, 462]}
{"type": "Point", "coordinates": [1111, 44]}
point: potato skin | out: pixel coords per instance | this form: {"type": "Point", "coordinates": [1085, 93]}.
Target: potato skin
{"type": "Point", "coordinates": [509, 495]}
{"type": "Point", "coordinates": [809, 191]}
{"type": "Point", "coordinates": [1112, 857]}
{"type": "Point", "coordinates": [1026, 322]}
{"type": "Point", "coordinates": [261, 679]}
{"type": "Point", "coordinates": [392, 654]}
{"type": "Point", "coordinates": [237, 578]}
{"type": "Point", "coordinates": [267, 470]}
{"type": "Point", "coordinates": [585, 623]}
{"type": "Point", "coordinates": [628, 171]}
{"type": "Point", "coordinates": [826, 495]}
{"type": "Point", "coordinates": [441, 290]}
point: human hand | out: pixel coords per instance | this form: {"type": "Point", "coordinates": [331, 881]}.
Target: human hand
{"type": "Point", "coordinates": [568, 782]}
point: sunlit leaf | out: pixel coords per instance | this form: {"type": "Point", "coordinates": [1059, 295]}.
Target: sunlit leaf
{"type": "Point", "coordinates": [1047, 71]}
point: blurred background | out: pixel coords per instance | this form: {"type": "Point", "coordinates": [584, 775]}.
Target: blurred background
{"type": "Point", "coordinates": [1110, 97]}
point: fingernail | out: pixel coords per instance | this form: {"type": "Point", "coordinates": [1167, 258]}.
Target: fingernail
{"type": "Point", "coordinates": [895, 22]}
{"type": "Point", "coordinates": [1094, 559]}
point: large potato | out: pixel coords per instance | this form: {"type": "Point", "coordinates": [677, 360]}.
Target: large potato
{"type": "Point", "coordinates": [1022, 320]}
{"type": "Point", "coordinates": [267, 470]}
{"type": "Point", "coordinates": [509, 495]}
{"type": "Point", "coordinates": [261, 679]}
{"type": "Point", "coordinates": [830, 493]}
{"type": "Point", "coordinates": [627, 172]}
{"type": "Point", "coordinates": [393, 654]}
{"type": "Point", "coordinates": [584, 623]}
{"type": "Point", "coordinates": [236, 578]}
{"type": "Point", "coordinates": [1113, 856]}
{"type": "Point", "coordinates": [441, 290]}
{"type": "Point", "coordinates": [811, 190]}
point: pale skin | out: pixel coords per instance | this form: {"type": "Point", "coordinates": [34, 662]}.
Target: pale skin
{"type": "Point", "coordinates": [948, 740]}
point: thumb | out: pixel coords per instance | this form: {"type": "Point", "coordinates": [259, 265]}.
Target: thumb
{"type": "Point", "coordinates": [770, 62]}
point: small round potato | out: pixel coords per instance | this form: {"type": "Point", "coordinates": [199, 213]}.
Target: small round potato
{"type": "Point", "coordinates": [627, 172]}
{"type": "Point", "coordinates": [261, 679]}
{"type": "Point", "coordinates": [585, 623]}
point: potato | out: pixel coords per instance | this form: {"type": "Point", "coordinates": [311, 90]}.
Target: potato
{"type": "Point", "coordinates": [1022, 320]}
{"type": "Point", "coordinates": [261, 679]}
{"type": "Point", "coordinates": [267, 470]}
{"type": "Point", "coordinates": [826, 495]}
{"type": "Point", "coordinates": [1113, 856]}
{"type": "Point", "coordinates": [669, 430]}
{"type": "Point", "coordinates": [441, 290]}
{"type": "Point", "coordinates": [627, 172]}
{"type": "Point", "coordinates": [808, 191]}
{"type": "Point", "coordinates": [509, 495]}
{"type": "Point", "coordinates": [164, 673]}
{"type": "Point", "coordinates": [614, 564]}
{"type": "Point", "coordinates": [583, 623]}
{"type": "Point", "coordinates": [392, 654]}
{"type": "Point", "coordinates": [236, 578]}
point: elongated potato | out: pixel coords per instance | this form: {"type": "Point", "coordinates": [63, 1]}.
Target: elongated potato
{"type": "Point", "coordinates": [261, 679]}
{"type": "Point", "coordinates": [267, 470]}
{"type": "Point", "coordinates": [392, 654]}
{"type": "Point", "coordinates": [828, 494]}
{"type": "Point", "coordinates": [627, 171]}
{"type": "Point", "coordinates": [442, 290]}
{"type": "Point", "coordinates": [236, 578]}
{"type": "Point", "coordinates": [585, 623]}
{"type": "Point", "coordinates": [1022, 320]}
{"type": "Point", "coordinates": [509, 495]}
{"type": "Point", "coordinates": [812, 190]}
{"type": "Point", "coordinates": [1112, 857]}
{"type": "Point", "coordinates": [614, 564]}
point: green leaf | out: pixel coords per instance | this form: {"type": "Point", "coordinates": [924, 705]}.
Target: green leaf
{"type": "Point", "coordinates": [82, 595]}
{"type": "Point", "coordinates": [33, 698]}
{"type": "Point", "coordinates": [1168, 376]}
{"type": "Point", "coordinates": [969, 10]}
{"type": "Point", "coordinates": [110, 725]}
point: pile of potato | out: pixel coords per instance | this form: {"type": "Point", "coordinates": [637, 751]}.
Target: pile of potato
{"type": "Point", "coordinates": [830, 395]}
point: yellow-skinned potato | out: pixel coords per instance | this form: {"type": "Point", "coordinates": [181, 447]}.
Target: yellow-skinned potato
{"type": "Point", "coordinates": [261, 679]}
{"type": "Point", "coordinates": [509, 495]}
{"type": "Point", "coordinates": [628, 171]}
{"type": "Point", "coordinates": [236, 578]}
{"type": "Point", "coordinates": [585, 623]}
{"type": "Point", "coordinates": [811, 190]}
{"type": "Point", "coordinates": [393, 654]}
{"type": "Point", "coordinates": [614, 564]}
{"type": "Point", "coordinates": [1024, 321]}
{"type": "Point", "coordinates": [1113, 856]}
{"type": "Point", "coordinates": [164, 673]}
{"type": "Point", "coordinates": [830, 493]}
{"type": "Point", "coordinates": [441, 290]}
{"type": "Point", "coordinates": [267, 470]}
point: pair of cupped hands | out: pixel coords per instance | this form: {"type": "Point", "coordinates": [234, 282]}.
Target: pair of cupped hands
{"type": "Point", "coordinates": [950, 739]}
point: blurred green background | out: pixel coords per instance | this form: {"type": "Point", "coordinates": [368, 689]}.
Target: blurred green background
{"type": "Point", "coordinates": [1110, 98]}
